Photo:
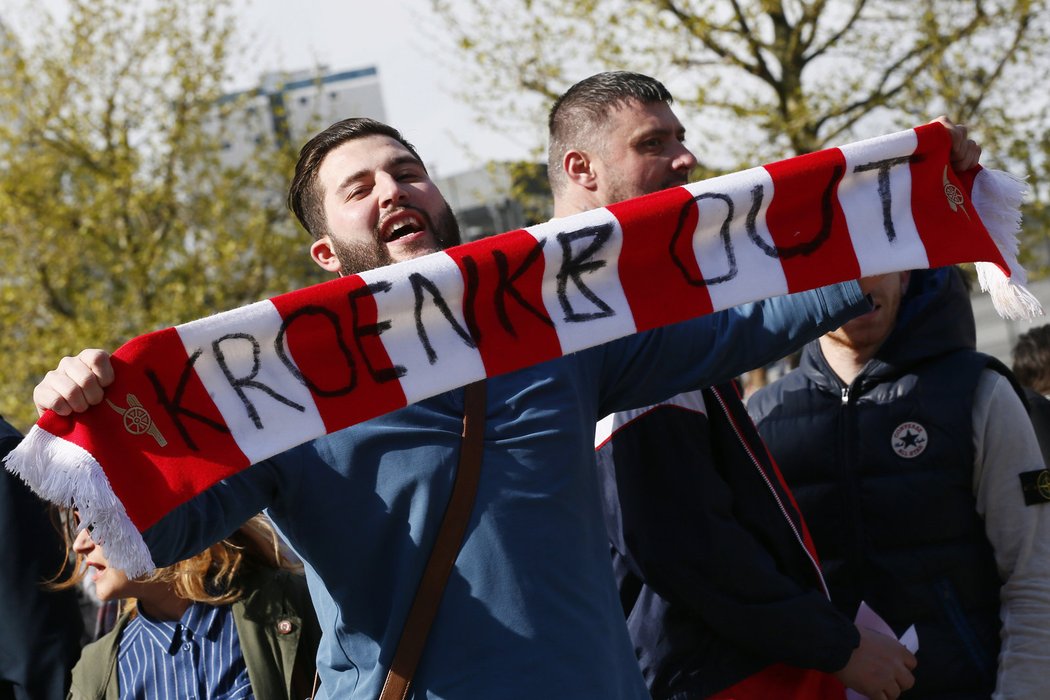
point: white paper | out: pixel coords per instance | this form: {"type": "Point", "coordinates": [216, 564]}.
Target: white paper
{"type": "Point", "coordinates": [866, 617]}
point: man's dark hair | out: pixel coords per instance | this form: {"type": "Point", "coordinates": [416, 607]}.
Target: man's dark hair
{"type": "Point", "coordinates": [305, 196]}
{"type": "Point", "coordinates": [1032, 359]}
{"type": "Point", "coordinates": [577, 117]}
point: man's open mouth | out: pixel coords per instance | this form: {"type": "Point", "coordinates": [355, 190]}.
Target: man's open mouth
{"type": "Point", "coordinates": [401, 224]}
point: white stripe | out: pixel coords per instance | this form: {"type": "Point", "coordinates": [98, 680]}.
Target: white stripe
{"type": "Point", "coordinates": [454, 363]}
{"type": "Point", "coordinates": [262, 322]}
{"type": "Point", "coordinates": [607, 427]}
{"type": "Point", "coordinates": [590, 307]}
{"type": "Point", "coordinates": [861, 203]}
{"type": "Point", "coordinates": [751, 273]}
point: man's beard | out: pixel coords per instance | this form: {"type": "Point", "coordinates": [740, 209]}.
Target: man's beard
{"type": "Point", "coordinates": [621, 187]}
{"type": "Point", "coordinates": [621, 191]}
{"type": "Point", "coordinates": [357, 257]}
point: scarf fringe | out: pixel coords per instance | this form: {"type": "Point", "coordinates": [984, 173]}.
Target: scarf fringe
{"type": "Point", "coordinates": [998, 196]}
{"type": "Point", "coordinates": [63, 472]}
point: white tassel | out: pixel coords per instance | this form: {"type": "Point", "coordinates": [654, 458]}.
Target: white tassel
{"type": "Point", "coordinates": [62, 472]}
{"type": "Point", "coordinates": [997, 196]}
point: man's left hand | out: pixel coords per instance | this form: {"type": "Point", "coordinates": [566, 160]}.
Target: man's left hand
{"type": "Point", "coordinates": [965, 151]}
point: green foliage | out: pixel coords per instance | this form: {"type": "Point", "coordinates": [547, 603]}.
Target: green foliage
{"type": "Point", "coordinates": [799, 75]}
{"type": "Point", "coordinates": [117, 213]}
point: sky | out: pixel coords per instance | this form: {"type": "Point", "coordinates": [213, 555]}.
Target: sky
{"type": "Point", "coordinates": [343, 35]}
{"type": "Point", "coordinates": [392, 36]}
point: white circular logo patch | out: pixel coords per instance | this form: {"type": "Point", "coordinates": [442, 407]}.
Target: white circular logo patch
{"type": "Point", "coordinates": [909, 440]}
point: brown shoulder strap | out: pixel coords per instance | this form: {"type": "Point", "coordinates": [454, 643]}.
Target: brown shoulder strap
{"type": "Point", "coordinates": [446, 548]}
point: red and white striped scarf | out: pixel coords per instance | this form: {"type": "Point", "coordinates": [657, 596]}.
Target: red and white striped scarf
{"type": "Point", "coordinates": [199, 402]}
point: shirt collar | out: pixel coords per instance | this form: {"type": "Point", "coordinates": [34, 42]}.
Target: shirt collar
{"type": "Point", "coordinates": [163, 633]}
{"type": "Point", "coordinates": [205, 620]}
{"type": "Point", "coordinates": [200, 620]}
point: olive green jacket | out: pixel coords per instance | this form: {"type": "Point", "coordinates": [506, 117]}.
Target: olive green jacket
{"type": "Point", "coordinates": [278, 635]}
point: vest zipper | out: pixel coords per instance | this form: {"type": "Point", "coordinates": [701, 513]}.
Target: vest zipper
{"type": "Point", "coordinates": [850, 476]}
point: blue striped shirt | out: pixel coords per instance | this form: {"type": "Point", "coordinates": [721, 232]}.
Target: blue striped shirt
{"type": "Point", "coordinates": [197, 658]}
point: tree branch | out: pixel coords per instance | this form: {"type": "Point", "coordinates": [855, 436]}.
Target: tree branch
{"type": "Point", "coordinates": [835, 38]}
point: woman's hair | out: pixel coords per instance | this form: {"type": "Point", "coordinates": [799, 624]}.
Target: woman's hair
{"type": "Point", "coordinates": [216, 576]}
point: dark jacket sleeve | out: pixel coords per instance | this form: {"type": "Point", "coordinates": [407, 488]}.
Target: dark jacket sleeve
{"type": "Point", "coordinates": [40, 637]}
{"type": "Point", "coordinates": [685, 532]}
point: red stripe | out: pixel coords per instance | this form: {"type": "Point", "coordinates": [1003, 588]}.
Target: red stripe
{"type": "Point", "coordinates": [814, 243]}
{"type": "Point", "coordinates": [509, 321]}
{"type": "Point", "coordinates": [151, 480]}
{"type": "Point", "coordinates": [658, 270]}
{"type": "Point", "coordinates": [784, 682]}
{"type": "Point", "coordinates": [950, 235]}
{"type": "Point", "coordinates": [331, 335]}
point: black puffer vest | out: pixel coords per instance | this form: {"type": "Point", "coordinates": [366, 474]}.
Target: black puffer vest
{"type": "Point", "coordinates": [883, 472]}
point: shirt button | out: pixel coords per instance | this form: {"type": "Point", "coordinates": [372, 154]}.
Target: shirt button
{"type": "Point", "coordinates": [285, 626]}
{"type": "Point", "coordinates": [187, 646]}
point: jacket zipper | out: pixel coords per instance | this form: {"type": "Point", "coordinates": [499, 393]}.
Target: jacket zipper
{"type": "Point", "coordinates": [773, 491]}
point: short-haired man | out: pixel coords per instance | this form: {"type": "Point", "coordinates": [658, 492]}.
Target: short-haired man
{"type": "Point", "coordinates": [715, 576]}
{"type": "Point", "coordinates": [530, 609]}
{"type": "Point", "coordinates": [913, 461]}
{"type": "Point", "coordinates": [1031, 366]}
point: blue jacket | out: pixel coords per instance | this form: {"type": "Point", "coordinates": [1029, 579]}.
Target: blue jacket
{"type": "Point", "coordinates": [531, 608]}
{"type": "Point", "coordinates": [883, 472]}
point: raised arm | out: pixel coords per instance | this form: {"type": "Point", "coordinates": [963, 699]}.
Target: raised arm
{"type": "Point", "coordinates": [76, 385]}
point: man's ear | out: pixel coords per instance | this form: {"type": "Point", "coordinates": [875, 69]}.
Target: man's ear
{"type": "Point", "coordinates": [579, 169]}
{"type": "Point", "coordinates": [905, 278]}
{"type": "Point", "coordinates": [323, 254]}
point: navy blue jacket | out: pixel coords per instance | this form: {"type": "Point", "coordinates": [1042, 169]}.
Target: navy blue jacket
{"type": "Point", "coordinates": [714, 575]}
{"type": "Point", "coordinates": [883, 472]}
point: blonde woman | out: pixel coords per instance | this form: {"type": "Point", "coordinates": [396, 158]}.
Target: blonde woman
{"type": "Point", "coordinates": [233, 622]}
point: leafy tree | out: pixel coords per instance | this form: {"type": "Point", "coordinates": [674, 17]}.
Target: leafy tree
{"type": "Point", "coordinates": [790, 76]}
{"type": "Point", "coordinates": [118, 214]}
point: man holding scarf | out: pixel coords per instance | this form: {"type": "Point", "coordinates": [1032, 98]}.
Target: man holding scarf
{"type": "Point", "coordinates": [530, 608]}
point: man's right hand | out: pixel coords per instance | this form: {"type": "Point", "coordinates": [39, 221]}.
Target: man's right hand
{"type": "Point", "coordinates": [75, 385]}
{"type": "Point", "coordinates": [879, 668]}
